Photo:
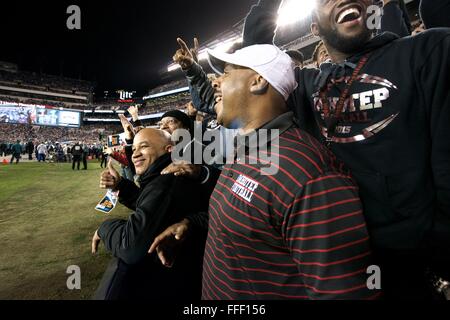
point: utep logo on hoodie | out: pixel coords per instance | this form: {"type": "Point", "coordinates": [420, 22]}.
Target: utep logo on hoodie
{"type": "Point", "coordinates": [360, 118]}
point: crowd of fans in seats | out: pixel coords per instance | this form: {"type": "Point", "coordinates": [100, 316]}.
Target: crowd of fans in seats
{"type": "Point", "coordinates": [42, 102]}
{"type": "Point", "coordinates": [10, 133]}
{"type": "Point", "coordinates": [169, 86]}
{"type": "Point", "coordinates": [46, 81]}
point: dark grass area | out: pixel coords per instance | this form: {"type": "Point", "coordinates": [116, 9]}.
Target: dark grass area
{"type": "Point", "coordinates": [47, 220]}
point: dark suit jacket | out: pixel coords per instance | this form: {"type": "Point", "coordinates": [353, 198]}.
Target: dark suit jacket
{"type": "Point", "coordinates": [161, 201]}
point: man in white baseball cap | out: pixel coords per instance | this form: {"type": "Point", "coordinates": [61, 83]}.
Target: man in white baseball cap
{"type": "Point", "coordinates": [254, 85]}
{"type": "Point", "coordinates": [265, 229]}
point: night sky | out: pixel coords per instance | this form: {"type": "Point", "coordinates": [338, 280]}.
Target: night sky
{"type": "Point", "coordinates": [121, 45]}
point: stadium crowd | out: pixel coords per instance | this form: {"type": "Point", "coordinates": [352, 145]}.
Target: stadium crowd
{"type": "Point", "coordinates": [34, 80]}
{"type": "Point", "coordinates": [90, 134]}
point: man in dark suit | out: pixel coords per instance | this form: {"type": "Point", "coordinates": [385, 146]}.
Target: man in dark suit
{"type": "Point", "coordinates": [158, 202]}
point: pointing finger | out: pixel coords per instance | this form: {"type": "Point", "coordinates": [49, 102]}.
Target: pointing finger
{"type": "Point", "coordinates": [183, 45]}
{"type": "Point", "coordinates": [196, 45]}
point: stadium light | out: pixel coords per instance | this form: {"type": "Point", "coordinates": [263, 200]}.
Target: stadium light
{"type": "Point", "coordinates": [166, 93]}
{"type": "Point", "coordinates": [293, 11]}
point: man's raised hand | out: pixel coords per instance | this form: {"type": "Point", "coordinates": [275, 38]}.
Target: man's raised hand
{"type": "Point", "coordinates": [110, 179]}
{"type": "Point", "coordinates": [183, 168]}
{"type": "Point", "coordinates": [127, 127]}
{"type": "Point", "coordinates": [195, 50]}
{"type": "Point", "coordinates": [185, 56]}
{"type": "Point", "coordinates": [134, 112]}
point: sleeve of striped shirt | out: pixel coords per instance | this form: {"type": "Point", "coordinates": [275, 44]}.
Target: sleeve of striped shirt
{"type": "Point", "coordinates": [326, 233]}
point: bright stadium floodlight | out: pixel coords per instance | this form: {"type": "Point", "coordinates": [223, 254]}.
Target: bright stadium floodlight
{"type": "Point", "coordinates": [293, 11]}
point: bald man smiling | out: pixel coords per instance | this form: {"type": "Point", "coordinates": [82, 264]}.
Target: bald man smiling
{"type": "Point", "coordinates": [160, 201]}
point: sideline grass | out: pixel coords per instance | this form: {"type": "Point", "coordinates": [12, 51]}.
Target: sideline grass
{"type": "Point", "coordinates": [47, 220]}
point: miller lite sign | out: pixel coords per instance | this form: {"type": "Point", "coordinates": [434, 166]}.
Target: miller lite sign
{"type": "Point", "coordinates": [125, 96]}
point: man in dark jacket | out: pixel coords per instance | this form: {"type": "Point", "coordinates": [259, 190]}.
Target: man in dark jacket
{"type": "Point", "coordinates": [85, 156]}
{"type": "Point", "coordinates": [383, 108]}
{"type": "Point", "coordinates": [16, 152]}
{"type": "Point", "coordinates": [30, 149]}
{"type": "Point", "coordinates": [77, 151]}
{"type": "Point", "coordinates": [160, 201]}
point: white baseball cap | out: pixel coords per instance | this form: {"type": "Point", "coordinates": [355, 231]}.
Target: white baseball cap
{"type": "Point", "coordinates": [267, 60]}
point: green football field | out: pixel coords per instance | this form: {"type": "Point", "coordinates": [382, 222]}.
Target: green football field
{"type": "Point", "coordinates": [47, 220]}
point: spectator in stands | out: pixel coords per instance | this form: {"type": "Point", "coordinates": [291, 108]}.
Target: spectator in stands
{"type": "Point", "coordinates": [274, 236]}
{"type": "Point", "coordinates": [42, 152]}
{"type": "Point", "coordinates": [411, 179]}
{"type": "Point", "coordinates": [175, 119]}
{"type": "Point", "coordinates": [159, 202]}
{"type": "Point", "coordinates": [297, 57]}
{"type": "Point", "coordinates": [16, 152]}
{"type": "Point", "coordinates": [77, 153]}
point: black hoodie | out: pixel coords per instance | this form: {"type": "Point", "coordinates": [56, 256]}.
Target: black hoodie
{"type": "Point", "coordinates": [161, 201]}
{"type": "Point", "coordinates": [403, 165]}
{"type": "Point", "coordinates": [399, 116]}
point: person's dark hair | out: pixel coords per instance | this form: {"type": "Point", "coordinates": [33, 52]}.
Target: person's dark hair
{"type": "Point", "coordinates": [296, 55]}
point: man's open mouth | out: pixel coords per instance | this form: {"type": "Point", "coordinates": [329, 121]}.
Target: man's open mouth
{"type": "Point", "coordinates": [349, 14]}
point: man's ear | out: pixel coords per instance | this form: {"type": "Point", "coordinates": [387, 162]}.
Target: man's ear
{"type": "Point", "coordinates": [315, 29]}
{"type": "Point", "coordinates": [259, 85]}
{"type": "Point", "coordinates": [169, 148]}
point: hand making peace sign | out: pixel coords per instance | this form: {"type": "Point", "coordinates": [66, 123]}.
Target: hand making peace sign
{"type": "Point", "coordinates": [184, 56]}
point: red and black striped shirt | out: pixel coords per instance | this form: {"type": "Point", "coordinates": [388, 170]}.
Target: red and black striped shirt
{"type": "Point", "coordinates": [298, 234]}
